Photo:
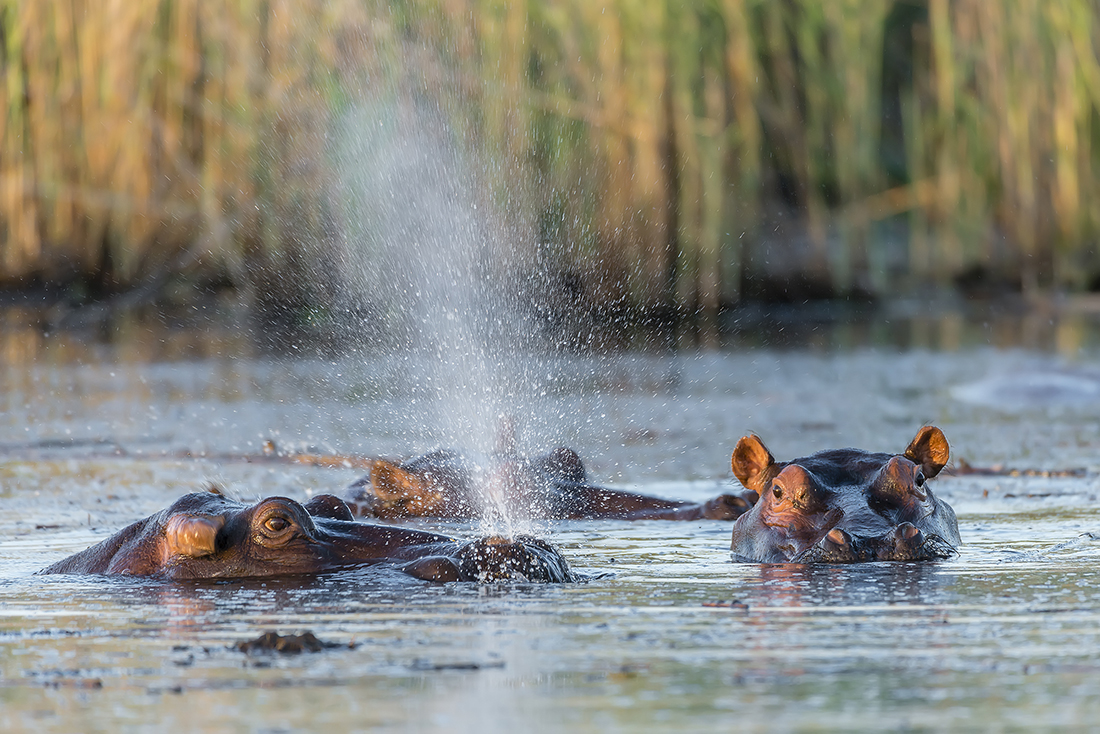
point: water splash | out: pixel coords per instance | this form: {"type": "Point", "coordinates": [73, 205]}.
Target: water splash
{"type": "Point", "coordinates": [424, 249]}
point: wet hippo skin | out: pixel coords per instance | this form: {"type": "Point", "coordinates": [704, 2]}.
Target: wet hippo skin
{"type": "Point", "coordinates": [206, 535]}
{"type": "Point", "coordinates": [450, 484]}
{"type": "Point", "coordinates": [844, 505]}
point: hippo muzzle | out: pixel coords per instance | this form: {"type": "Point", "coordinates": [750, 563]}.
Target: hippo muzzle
{"type": "Point", "coordinates": [906, 542]}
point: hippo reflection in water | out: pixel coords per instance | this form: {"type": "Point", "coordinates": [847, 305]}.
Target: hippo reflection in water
{"type": "Point", "coordinates": [845, 505]}
{"type": "Point", "coordinates": [450, 484]}
{"type": "Point", "coordinates": [205, 535]}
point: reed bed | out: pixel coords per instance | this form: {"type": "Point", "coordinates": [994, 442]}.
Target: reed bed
{"type": "Point", "coordinates": [672, 155]}
{"type": "Point", "coordinates": [142, 138]}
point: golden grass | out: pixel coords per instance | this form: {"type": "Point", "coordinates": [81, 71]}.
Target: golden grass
{"type": "Point", "coordinates": [151, 134]}
{"type": "Point", "coordinates": [662, 139]}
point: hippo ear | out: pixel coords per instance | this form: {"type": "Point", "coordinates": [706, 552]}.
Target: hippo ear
{"type": "Point", "coordinates": [391, 482]}
{"type": "Point", "coordinates": [929, 449]}
{"type": "Point", "coordinates": [327, 505]}
{"type": "Point", "coordinates": [752, 463]}
{"type": "Point", "coordinates": [563, 464]}
{"type": "Point", "coordinates": [193, 536]}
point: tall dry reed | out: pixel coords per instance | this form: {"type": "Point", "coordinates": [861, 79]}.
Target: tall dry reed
{"type": "Point", "coordinates": [673, 152]}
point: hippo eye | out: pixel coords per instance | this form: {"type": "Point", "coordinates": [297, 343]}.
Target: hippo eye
{"type": "Point", "coordinates": [278, 521]}
{"type": "Point", "coordinates": [777, 492]}
{"type": "Point", "coordinates": [919, 480]}
{"type": "Point", "coordinates": [276, 524]}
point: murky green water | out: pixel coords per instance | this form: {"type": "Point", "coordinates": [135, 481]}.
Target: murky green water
{"type": "Point", "coordinates": [668, 635]}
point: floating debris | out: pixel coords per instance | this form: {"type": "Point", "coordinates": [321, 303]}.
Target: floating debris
{"type": "Point", "coordinates": [288, 644]}
{"type": "Point", "coordinates": [964, 468]}
{"type": "Point", "coordinates": [427, 665]}
{"type": "Point", "coordinates": [727, 604]}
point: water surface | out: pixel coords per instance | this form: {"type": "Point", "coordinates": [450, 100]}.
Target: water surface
{"type": "Point", "coordinates": [667, 634]}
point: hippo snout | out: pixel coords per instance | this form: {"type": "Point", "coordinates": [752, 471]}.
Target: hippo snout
{"type": "Point", "coordinates": [906, 542]}
{"type": "Point", "coordinates": [522, 558]}
{"type": "Point", "coordinates": [837, 546]}
{"type": "Point", "coordinates": [909, 543]}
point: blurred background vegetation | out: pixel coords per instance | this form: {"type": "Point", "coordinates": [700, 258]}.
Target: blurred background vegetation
{"type": "Point", "coordinates": [662, 156]}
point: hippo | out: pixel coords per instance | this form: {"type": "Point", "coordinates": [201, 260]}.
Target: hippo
{"type": "Point", "coordinates": [844, 505]}
{"type": "Point", "coordinates": [205, 535]}
{"type": "Point", "coordinates": [446, 484]}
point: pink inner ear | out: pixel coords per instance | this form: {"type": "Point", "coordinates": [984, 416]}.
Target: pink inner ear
{"type": "Point", "coordinates": [751, 462]}
{"type": "Point", "coordinates": [193, 536]}
{"type": "Point", "coordinates": [391, 482]}
{"type": "Point", "coordinates": [929, 448]}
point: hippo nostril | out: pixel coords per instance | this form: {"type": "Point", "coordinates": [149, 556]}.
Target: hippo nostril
{"type": "Point", "coordinates": [907, 531]}
{"type": "Point", "coordinates": [898, 483]}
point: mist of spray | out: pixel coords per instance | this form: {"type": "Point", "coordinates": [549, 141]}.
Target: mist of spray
{"type": "Point", "coordinates": [425, 248]}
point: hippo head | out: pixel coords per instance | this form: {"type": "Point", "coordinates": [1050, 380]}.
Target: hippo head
{"type": "Point", "coordinates": [523, 557]}
{"type": "Point", "coordinates": [208, 536]}
{"type": "Point", "coordinates": [845, 505]}
{"type": "Point", "coordinates": [496, 558]}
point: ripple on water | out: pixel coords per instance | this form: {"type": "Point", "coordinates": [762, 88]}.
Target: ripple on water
{"type": "Point", "coordinates": [668, 633]}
